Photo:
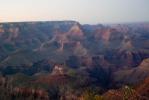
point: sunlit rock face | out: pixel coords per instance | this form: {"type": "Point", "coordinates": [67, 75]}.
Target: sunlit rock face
{"type": "Point", "coordinates": [58, 70]}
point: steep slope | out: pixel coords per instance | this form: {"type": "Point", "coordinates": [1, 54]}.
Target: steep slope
{"type": "Point", "coordinates": [143, 89]}
{"type": "Point", "coordinates": [139, 92]}
{"type": "Point", "coordinates": [133, 75]}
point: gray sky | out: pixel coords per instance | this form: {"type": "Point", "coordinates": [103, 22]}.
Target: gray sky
{"type": "Point", "coordinates": [84, 11]}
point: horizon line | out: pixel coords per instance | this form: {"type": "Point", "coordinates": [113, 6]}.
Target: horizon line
{"type": "Point", "coordinates": [30, 21]}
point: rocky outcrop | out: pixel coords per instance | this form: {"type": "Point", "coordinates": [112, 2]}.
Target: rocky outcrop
{"type": "Point", "coordinates": [144, 64]}
{"type": "Point", "coordinates": [132, 75]}
{"type": "Point", "coordinates": [75, 30]}
{"type": "Point", "coordinates": [58, 70]}
{"type": "Point", "coordinates": [140, 92]}
{"type": "Point", "coordinates": [143, 89]}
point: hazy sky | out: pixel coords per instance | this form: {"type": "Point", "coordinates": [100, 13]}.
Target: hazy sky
{"type": "Point", "coordinates": [84, 11]}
